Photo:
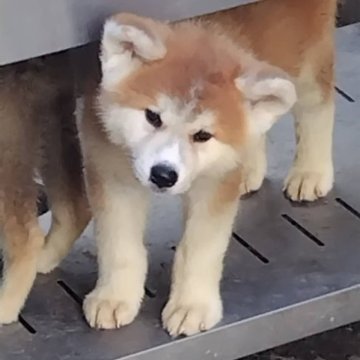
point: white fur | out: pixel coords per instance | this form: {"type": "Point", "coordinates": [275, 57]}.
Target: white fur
{"type": "Point", "coordinates": [145, 45]}
{"type": "Point", "coordinates": [117, 297]}
{"type": "Point", "coordinates": [268, 98]}
{"type": "Point", "coordinates": [169, 149]}
{"type": "Point", "coordinates": [125, 126]}
{"type": "Point", "coordinates": [170, 153]}
{"type": "Point", "coordinates": [117, 58]}
{"type": "Point", "coordinates": [195, 303]}
{"type": "Point", "coordinates": [254, 164]}
{"type": "Point", "coordinates": [312, 174]}
{"type": "Point", "coordinates": [171, 144]}
{"type": "Point", "coordinates": [18, 280]}
{"type": "Point", "coordinates": [134, 148]}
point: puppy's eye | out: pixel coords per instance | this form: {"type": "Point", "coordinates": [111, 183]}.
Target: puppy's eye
{"type": "Point", "coordinates": [202, 136]}
{"type": "Point", "coordinates": [153, 118]}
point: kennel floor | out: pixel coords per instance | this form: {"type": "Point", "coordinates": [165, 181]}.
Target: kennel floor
{"type": "Point", "coordinates": [291, 271]}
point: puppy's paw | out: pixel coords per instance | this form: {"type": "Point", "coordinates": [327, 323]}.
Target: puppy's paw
{"type": "Point", "coordinates": [9, 311]}
{"type": "Point", "coordinates": [252, 180]}
{"type": "Point", "coordinates": [108, 312]}
{"type": "Point", "coordinates": [308, 185]}
{"type": "Point", "coordinates": [189, 318]}
{"type": "Point", "coordinates": [49, 259]}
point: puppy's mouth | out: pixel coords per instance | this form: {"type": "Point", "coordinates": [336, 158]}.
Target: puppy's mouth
{"type": "Point", "coordinates": [158, 190]}
{"type": "Point", "coordinates": [149, 185]}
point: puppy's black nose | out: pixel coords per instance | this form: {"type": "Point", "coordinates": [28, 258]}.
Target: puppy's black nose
{"type": "Point", "coordinates": [163, 176]}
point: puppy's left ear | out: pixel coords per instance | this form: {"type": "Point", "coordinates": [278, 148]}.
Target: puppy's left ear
{"type": "Point", "coordinates": [269, 93]}
{"type": "Point", "coordinates": [128, 41]}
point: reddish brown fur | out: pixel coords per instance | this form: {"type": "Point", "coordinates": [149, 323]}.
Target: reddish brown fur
{"type": "Point", "coordinates": [194, 57]}
{"type": "Point", "coordinates": [206, 55]}
{"type": "Point", "coordinates": [273, 30]}
{"type": "Point", "coordinates": [291, 34]}
{"type": "Point", "coordinates": [287, 34]}
{"type": "Point", "coordinates": [37, 132]}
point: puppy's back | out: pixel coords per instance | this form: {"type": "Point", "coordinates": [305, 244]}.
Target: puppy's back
{"type": "Point", "coordinates": [282, 32]}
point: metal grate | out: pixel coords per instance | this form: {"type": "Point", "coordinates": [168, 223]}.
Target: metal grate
{"type": "Point", "coordinates": [291, 271]}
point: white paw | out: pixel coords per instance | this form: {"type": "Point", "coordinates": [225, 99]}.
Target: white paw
{"type": "Point", "coordinates": [252, 180]}
{"type": "Point", "coordinates": [189, 318]}
{"type": "Point", "coordinates": [105, 312]}
{"type": "Point", "coordinates": [308, 185]}
{"type": "Point", "coordinates": [9, 311]}
{"type": "Point", "coordinates": [6, 317]}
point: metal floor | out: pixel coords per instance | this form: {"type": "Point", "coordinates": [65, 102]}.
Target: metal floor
{"type": "Point", "coordinates": [290, 272]}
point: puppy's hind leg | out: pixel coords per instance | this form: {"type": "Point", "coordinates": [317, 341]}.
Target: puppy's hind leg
{"type": "Point", "coordinates": [22, 236]}
{"type": "Point", "coordinates": [312, 174]}
{"type": "Point", "coordinates": [23, 240]}
{"type": "Point", "coordinates": [63, 179]}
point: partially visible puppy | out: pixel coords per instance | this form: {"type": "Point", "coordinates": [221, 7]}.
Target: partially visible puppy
{"type": "Point", "coordinates": [184, 109]}
{"type": "Point", "coordinates": [37, 132]}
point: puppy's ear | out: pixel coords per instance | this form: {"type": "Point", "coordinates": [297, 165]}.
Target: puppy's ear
{"type": "Point", "coordinates": [269, 93]}
{"type": "Point", "coordinates": [129, 40]}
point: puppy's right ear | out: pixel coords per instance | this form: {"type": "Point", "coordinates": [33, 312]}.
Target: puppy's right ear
{"type": "Point", "coordinates": [129, 40]}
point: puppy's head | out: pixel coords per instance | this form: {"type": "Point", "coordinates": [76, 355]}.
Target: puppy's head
{"type": "Point", "coordinates": [183, 99]}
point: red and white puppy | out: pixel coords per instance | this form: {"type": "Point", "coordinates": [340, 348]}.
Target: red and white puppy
{"type": "Point", "coordinates": [183, 109]}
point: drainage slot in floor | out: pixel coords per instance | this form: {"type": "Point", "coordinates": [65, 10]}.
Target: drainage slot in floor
{"type": "Point", "coordinates": [299, 227]}
{"type": "Point", "coordinates": [70, 291]}
{"type": "Point", "coordinates": [344, 94]}
{"type": "Point", "coordinates": [251, 249]}
{"type": "Point", "coordinates": [348, 207]}
{"type": "Point", "coordinates": [150, 293]}
{"type": "Point", "coordinates": [26, 325]}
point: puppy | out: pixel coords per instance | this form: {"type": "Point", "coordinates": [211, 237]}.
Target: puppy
{"type": "Point", "coordinates": [38, 133]}
{"type": "Point", "coordinates": [183, 109]}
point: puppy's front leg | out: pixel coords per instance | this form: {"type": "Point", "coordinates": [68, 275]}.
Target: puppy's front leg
{"type": "Point", "coordinates": [195, 303]}
{"type": "Point", "coordinates": [119, 224]}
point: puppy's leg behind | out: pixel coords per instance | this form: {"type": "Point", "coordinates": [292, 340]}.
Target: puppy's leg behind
{"type": "Point", "coordinates": [63, 178]}
{"type": "Point", "coordinates": [195, 302]}
{"type": "Point", "coordinates": [120, 216]}
{"type": "Point", "coordinates": [22, 242]}
{"type": "Point", "coordinates": [254, 165]}
{"type": "Point", "coordinates": [21, 236]}
{"type": "Point", "coordinates": [312, 174]}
